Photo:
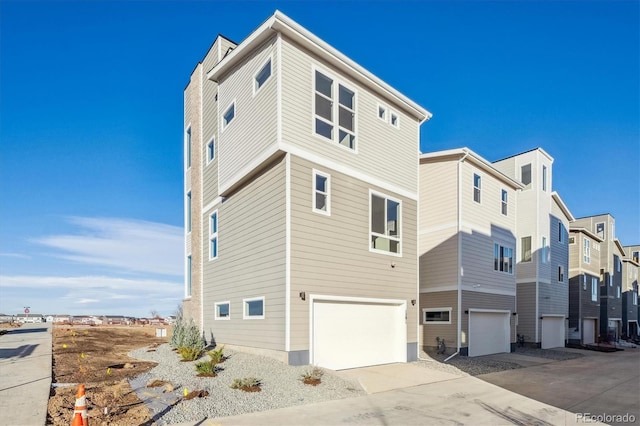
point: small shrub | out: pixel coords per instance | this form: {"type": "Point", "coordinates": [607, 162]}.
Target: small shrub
{"type": "Point", "coordinates": [207, 369]}
{"type": "Point", "coordinates": [312, 377]}
{"type": "Point", "coordinates": [190, 353]}
{"type": "Point", "coordinates": [249, 384]}
{"type": "Point", "coordinates": [216, 355]}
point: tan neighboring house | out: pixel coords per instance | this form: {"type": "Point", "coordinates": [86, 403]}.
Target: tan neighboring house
{"type": "Point", "coordinates": [301, 198]}
{"type": "Point", "coordinates": [584, 286]}
{"type": "Point", "coordinates": [467, 217]}
{"type": "Point", "coordinates": [630, 272]}
{"type": "Point", "coordinates": [543, 257]}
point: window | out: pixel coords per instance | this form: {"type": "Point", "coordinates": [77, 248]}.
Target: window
{"type": "Point", "coordinates": [261, 77]}
{"type": "Point", "coordinates": [229, 115]}
{"type": "Point", "coordinates": [594, 289]}
{"type": "Point", "coordinates": [395, 120]}
{"type": "Point", "coordinates": [587, 251]}
{"type": "Point", "coordinates": [188, 276]}
{"type": "Point", "coordinates": [253, 308]}
{"type": "Point", "coordinates": [544, 178]}
{"type": "Point", "coordinates": [526, 249]}
{"type": "Point", "coordinates": [330, 114]}
{"type": "Point", "coordinates": [600, 230]}
{"type": "Point", "coordinates": [211, 151]}
{"type": "Point", "coordinates": [504, 202]}
{"type": "Point", "coordinates": [502, 259]}
{"type": "Point", "coordinates": [384, 224]}
{"type": "Point", "coordinates": [545, 251]}
{"type": "Point", "coordinates": [561, 232]}
{"type": "Point", "coordinates": [436, 315]}
{"type": "Point", "coordinates": [610, 279]}
{"type": "Point", "coordinates": [636, 256]}
{"type": "Point", "coordinates": [213, 235]}
{"type": "Point", "coordinates": [572, 240]}
{"type": "Point", "coordinates": [222, 311]}
{"type": "Point", "coordinates": [561, 273]}
{"type": "Point", "coordinates": [382, 113]}
{"type": "Point", "coordinates": [477, 183]}
{"type": "Point", "coordinates": [618, 292]}
{"type": "Point", "coordinates": [584, 282]}
{"type": "Point", "coordinates": [189, 211]}
{"type": "Point", "coordinates": [187, 143]}
{"type": "Point", "coordinates": [635, 298]}
{"type": "Point", "coordinates": [618, 263]}
{"type": "Point", "coordinates": [321, 193]}
{"type": "Point", "coordinates": [525, 174]}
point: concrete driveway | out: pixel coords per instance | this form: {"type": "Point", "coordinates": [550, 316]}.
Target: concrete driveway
{"type": "Point", "coordinates": [598, 383]}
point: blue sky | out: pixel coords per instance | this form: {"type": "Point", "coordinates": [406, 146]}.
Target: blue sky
{"type": "Point", "coordinates": [91, 175]}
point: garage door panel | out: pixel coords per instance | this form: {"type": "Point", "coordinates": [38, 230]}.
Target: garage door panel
{"type": "Point", "coordinates": [588, 331]}
{"type": "Point", "coordinates": [552, 332]}
{"type": "Point", "coordinates": [348, 335]}
{"type": "Point", "coordinates": [488, 333]}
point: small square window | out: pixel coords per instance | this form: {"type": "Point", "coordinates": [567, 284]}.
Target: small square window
{"type": "Point", "coordinates": [395, 120]}
{"type": "Point", "coordinates": [228, 115]}
{"type": "Point", "coordinates": [382, 113]}
{"type": "Point", "coordinates": [222, 311]}
{"type": "Point", "coordinates": [262, 76]}
{"type": "Point", "coordinates": [253, 308]}
{"type": "Point", "coordinates": [436, 315]}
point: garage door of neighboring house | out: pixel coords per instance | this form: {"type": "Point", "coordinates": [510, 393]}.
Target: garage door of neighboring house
{"type": "Point", "coordinates": [357, 332]}
{"type": "Point", "coordinates": [552, 332]}
{"type": "Point", "coordinates": [488, 332]}
{"type": "Point", "coordinates": [588, 331]}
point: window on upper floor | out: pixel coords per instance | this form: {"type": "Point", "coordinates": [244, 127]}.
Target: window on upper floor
{"type": "Point", "coordinates": [584, 282]}
{"type": "Point", "coordinates": [384, 227]}
{"type": "Point", "coordinates": [544, 251]}
{"type": "Point", "coordinates": [525, 174]}
{"type": "Point", "coordinates": [213, 235]}
{"type": "Point", "coordinates": [504, 197]}
{"type": "Point", "coordinates": [635, 298]}
{"type": "Point", "coordinates": [594, 289]}
{"type": "Point", "coordinates": [618, 264]}
{"type": "Point", "coordinates": [586, 251]}
{"type": "Point", "coordinates": [618, 292]}
{"type": "Point", "coordinates": [262, 76]}
{"type": "Point", "coordinates": [189, 211]}
{"type": "Point", "coordinates": [502, 259]}
{"type": "Point", "coordinates": [562, 232]}
{"type": "Point", "coordinates": [222, 310]}
{"type": "Point", "coordinates": [187, 145]}
{"type": "Point", "coordinates": [395, 120]}
{"type": "Point", "coordinates": [600, 230]}
{"type": "Point", "coordinates": [335, 111]}
{"type": "Point", "coordinates": [477, 186]}
{"type": "Point", "coordinates": [525, 247]}
{"type": "Point", "coordinates": [436, 315]}
{"type": "Point", "coordinates": [211, 150]}
{"type": "Point", "coordinates": [321, 193]}
{"type": "Point", "coordinates": [610, 279]}
{"type": "Point", "coordinates": [188, 277]}
{"type": "Point", "coordinates": [544, 178]}
{"type": "Point", "coordinates": [229, 115]}
{"type": "Point", "coordinates": [561, 273]}
{"type": "Point", "coordinates": [382, 113]}
{"type": "Point", "coordinates": [636, 256]}
{"type": "Point", "coordinates": [572, 240]}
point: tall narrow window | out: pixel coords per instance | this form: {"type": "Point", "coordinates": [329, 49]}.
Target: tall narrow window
{"type": "Point", "coordinates": [213, 235]}
{"type": "Point", "coordinates": [526, 249]}
{"type": "Point", "coordinates": [561, 273]}
{"type": "Point", "coordinates": [618, 292]}
{"type": "Point", "coordinates": [189, 212]}
{"type": "Point", "coordinates": [382, 113]}
{"type": "Point", "coordinates": [545, 250]}
{"type": "Point", "coordinates": [636, 256]}
{"type": "Point", "coordinates": [187, 142]}
{"type": "Point", "coordinates": [477, 184]}
{"type": "Point", "coordinates": [561, 232]}
{"type": "Point", "coordinates": [600, 230]}
{"type": "Point", "coordinates": [594, 289]}
{"type": "Point", "coordinates": [211, 150]}
{"type": "Point", "coordinates": [635, 298]}
{"type": "Point", "coordinates": [228, 115]}
{"type": "Point", "coordinates": [586, 252]}
{"type": "Point", "coordinates": [525, 174]}
{"type": "Point", "coordinates": [544, 178]}
{"type": "Point", "coordinates": [504, 202]}
{"type": "Point", "coordinates": [321, 193]}
{"type": "Point", "coordinates": [384, 224]}
{"type": "Point", "coordinates": [262, 76]}
{"type": "Point", "coordinates": [188, 290]}
{"type": "Point", "coordinates": [395, 120]}
{"type": "Point", "coordinates": [330, 114]}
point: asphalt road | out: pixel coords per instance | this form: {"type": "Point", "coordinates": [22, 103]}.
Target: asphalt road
{"type": "Point", "coordinates": [598, 384]}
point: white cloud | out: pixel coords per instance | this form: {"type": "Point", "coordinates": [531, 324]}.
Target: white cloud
{"type": "Point", "coordinates": [83, 301]}
{"type": "Point", "coordinates": [125, 244]}
{"type": "Point", "coordinates": [15, 255]}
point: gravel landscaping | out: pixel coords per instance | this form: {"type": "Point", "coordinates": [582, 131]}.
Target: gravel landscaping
{"type": "Point", "coordinates": [281, 386]}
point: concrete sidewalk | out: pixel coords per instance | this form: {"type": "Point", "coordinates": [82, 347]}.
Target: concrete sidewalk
{"type": "Point", "coordinates": [25, 374]}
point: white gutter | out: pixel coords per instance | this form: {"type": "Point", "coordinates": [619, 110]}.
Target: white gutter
{"type": "Point", "coordinates": [459, 328]}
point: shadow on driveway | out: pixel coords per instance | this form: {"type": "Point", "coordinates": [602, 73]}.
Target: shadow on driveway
{"type": "Point", "coordinates": [28, 330]}
{"type": "Point", "coordinates": [19, 352]}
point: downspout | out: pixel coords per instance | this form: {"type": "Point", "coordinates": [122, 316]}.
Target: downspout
{"type": "Point", "coordinates": [459, 331]}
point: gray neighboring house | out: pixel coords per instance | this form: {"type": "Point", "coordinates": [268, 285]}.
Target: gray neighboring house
{"type": "Point", "coordinates": [301, 198]}
{"type": "Point", "coordinates": [543, 254]}
{"type": "Point", "coordinates": [630, 269]}
{"type": "Point", "coordinates": [467, 253]}
{"type": "Point", "coordinates": [611, 254]}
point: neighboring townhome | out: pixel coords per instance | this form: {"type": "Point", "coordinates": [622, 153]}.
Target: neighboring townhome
{"type": "Point", "coordinates": [611, 255]}
{"type": "Point", "coordinates": [467, 248]}
{"type": "Point", "coordinates": [301, 197]}
{"type": "Point", "coordinates": [630, 267]}
{"type": "Point", "coordinates": [542, 223]}
{"type": "Point", "coordinates": [584, 286]}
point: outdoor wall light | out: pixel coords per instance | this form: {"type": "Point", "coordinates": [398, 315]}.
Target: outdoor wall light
{"type": "Point", "coordinates": [466, 312]}
{"type": "Point", "coordinates": [413, 302]}
{"type": "Point", "coordinates": [515, 313]}
{"type": "Point", "coordinates": [303, 296]}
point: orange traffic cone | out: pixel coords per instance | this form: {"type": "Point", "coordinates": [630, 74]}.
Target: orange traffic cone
{"type": "Point", "coordinates": [77, 420]}
{"type": "Point", "coordinates": [81, 407]}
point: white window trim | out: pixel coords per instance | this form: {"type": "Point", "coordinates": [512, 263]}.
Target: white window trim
{"type": "Point", "coordinates": [215, 311]}
{"type": "Point", "coordinates": [425, 310]}
{"type": "Point", "coordinates": [254, 80]}
{"type": "Point", "coordinates": [479, 188]}
{"type": "Point", "coordinates": [215, 235]}
{"type": "Point", "coordinates": [371, 249]}
{"type": "Point", "coordinates": [397, 116]}
{"type": "Point", "coordinates": [224, 126]}
{"type": "Point", "coordinates": [246, 316]}
{"type": "Point", "coordinates": [211, 141]}
{"type": "Point", "coordinates": [503, 202]}
{"type": "Point", "coordinates": [337, 81]}
{"type": "Point", "coordinates": [386, 113]}
{"type": "Point", "coordinates": [313, 192]}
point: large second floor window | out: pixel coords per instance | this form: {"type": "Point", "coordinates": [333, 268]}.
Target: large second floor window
{"type": "Point", "coordinates": [385, 224]}
{"type": "Point", "coordinates": [502, 259]}
{"type": "Point", "coordinates": [335, 111]}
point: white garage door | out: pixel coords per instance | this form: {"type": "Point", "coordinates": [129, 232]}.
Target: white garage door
{"type": "Point", "coordinates": [488, 333]}
{"type": "Point", "coordinates": [552, 332]}
{"type": "Point", "coordinates": [348, 334]}
{"type": "Point", "coordinates": [589, 331]}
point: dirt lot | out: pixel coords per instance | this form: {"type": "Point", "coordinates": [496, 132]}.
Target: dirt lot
{"type": "Point", "coordinates": [97, 357]}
